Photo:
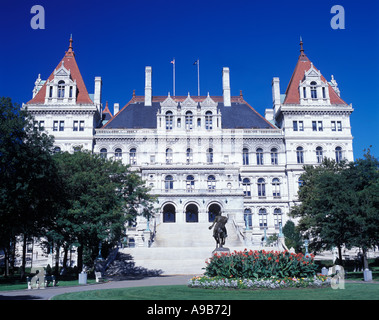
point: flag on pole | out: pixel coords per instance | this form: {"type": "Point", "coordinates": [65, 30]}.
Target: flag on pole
{"type": "Point", "coordinates": [173, 61]}
{"type": "Point", "coordinates": [195, 62]}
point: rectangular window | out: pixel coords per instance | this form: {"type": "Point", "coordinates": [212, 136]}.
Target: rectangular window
{"type": "Point", "coordinates": [294, 125]}
{"type": "Point", "coordinates": [301, 126]}
{"type": "Point", "coordinates": [70, 91]}
{"type": "Point", "coordinates": [320, 126]}
{"type": "Point", "coordinates": [339, 125]}
{"type": "Point", "coordinates": [42, 125]}
{"type": "Point", "coordinates": [305, 93]}
{"type": "Point", "coordinates": [152, 159]}
{"type": "Point", "coordinates": [55, 126]}
{"type": "Point", "coordinates": [323, 93]}
{"type": "Point", "coordinates": [51, 92]}
{"type": "Point", "coordinates": [333, 126]}
{"type": "Point", "coordinates": [75, 126]}
{"type": "Point", "coordinates": [61, 125]}
{"type": "Point", "coordinates": [81, 125]}
{"type": "Point", "coordinates": [314, 125]}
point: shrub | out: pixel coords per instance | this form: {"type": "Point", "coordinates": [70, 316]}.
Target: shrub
{"type": "Point", "coordinates": [260, 264]}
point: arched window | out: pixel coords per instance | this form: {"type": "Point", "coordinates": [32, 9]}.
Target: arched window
{"type": "Point", "coordinates": [61, 86]}
{"type": "Point", "coordinates": [259, 152]}
{"type": "Point", "coordinates": [168, 155]}
{"type": "Point", "coordinates": [338, 154]}
{"type": "Point", "coordinates": [300, 154]}
{"type": "Point", "coordinates": [192, 213]}
{"type": "Point", "coordinates": [190, 183]}
{"type": "Point", "coordinates": [57, 150]}
{"type": "Point", "coordinates": [118, 154]}
{"type": "Point", "coordinates": [103, 153]}
{"type": "Point", "coordinates": [245, 156]}
{"type": "Point", "coordinates": [319, 155]}
{"type": "Point", "coordinates": [211, 183]}
{"type": "Point", "coordinates": [208, 120]}
{"type": "Point", "coordinates": [275, 188]}
{"type": "Point", "coordinates": [313, 90]}
{"type": "Point", "coordinates": [246, 187]}
{"type": "Point", "coordinates": [210, 155]}
{"type": "Point", "coordinates": [248, 218]}
{"type": "Point", "coordinates": [261, 187]}
{"type": "Point", "coordinates": [189, 155]}
{"type": "Point", "coordinates": [168, 183]}
{"type": "Point", "coordinates": [189, 120]}
{"type": "Point", "coordinates": [278, 217]}
{"type": "Point", "coordinates": [169, 119]}
{"type": "Point", "coordinates": [133, 156]}
{"type": "Point", "coordinates": [274, 156]}
{"type": "Point", "coordinates": [169, 213]}
{"type": "Point", "coordinates": [262, 218]}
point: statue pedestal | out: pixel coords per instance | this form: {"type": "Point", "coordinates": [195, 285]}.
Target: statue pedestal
{"type": "Point", "coordinates": [221, 250]}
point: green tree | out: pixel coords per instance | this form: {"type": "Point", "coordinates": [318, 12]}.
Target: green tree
{"type": "Point", "coordinates": [28, 178]}
{"type": "Point", "coordinates": [292, 236]}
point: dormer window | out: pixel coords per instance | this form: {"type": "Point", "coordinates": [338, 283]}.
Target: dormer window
{"type": "Point", "coordinates": [169, 118]}
{"type": "Point", "coordinates": [208, 120]}
{"type": "Point", "coordinates": [189, 119]}
{"type": "Point", "coordinates": [61, 86]}
{"type": "Point", "coordinates": [313, 90]}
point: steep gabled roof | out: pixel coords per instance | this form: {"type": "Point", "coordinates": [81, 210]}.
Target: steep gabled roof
{"type": "Point", "coordinates": [303, 65]}
{"type": "Point", "coordinates": [69, 63]}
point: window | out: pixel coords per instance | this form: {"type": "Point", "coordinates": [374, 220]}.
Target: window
{"type": "Point", "coordinates": [294, 125]}
{"type": "Point", "coordinates": [323, 93]}
{"type": "Point", "coordinates": [41, 125]}
{"type": "Point", "coordinates": [61, 125]}
{"type": "Point", "coordinates": [189, 119]}
{"type": "Point", "coordinates": [179, 123]}
{"type": "Point", "coordinates": [262, 218]}
{"type": "Point", "coordinates": [211, 183]}
{"type": "Point", "coordinates": [261, 187]}
{"type": "Point", "coordinates": [57, 150]}
{"type": "Point", "coordinates": [245, 156]}
{"type": "Point", "coordinates": [300, 182]}
{"type": "Point", "coordinates": [320, 127]}
{"type": "Point", "coordinates": [319, 154]}
{"type": "Point", "coordinates": [50, 92]}
{"type": "Point", "coordinates": [103, 153]}
{"type": "Point", "coordinates": [210, 155]}
{"type": "Point", "coordinates": [55, 125]}
{"type": "Point", "coordinates": [190, 183]}
{"type": "Point", "coordinates": [275, 188]}
{"type": "Point", "coordinates": [208, 120]}
{"type": "Point", "coordinates": [189, 155]}
{"type": "Point", "coordinates": [314, 125]}
{"type": "Point", "coordinates": [169, 118]}
{"type": "Point", "coordinates": [246, 187]}
{"type": "Point", "coordinates": [61, 86]}
{"type": "Point", "coordinates": [259, 156]}
{"type": "Point", "coordinates": [301, 126]}
{"type": "Point", "coordinates": [199, 122]}
{"type": "Point", "coordinates": [118, 154]}
{"type": "Point", "coordinates": [278, 217]}
{"type": "Point", "coordinates": [70, 95]}
{"type": "Point", "coordinates": [75, 126]}
{"type": "Point", "coordinates": [333, 126]}
{"type": "Point", "coordinates": [168, 155]}
{"type": "Point", "coordinates": [339, 125]}
{"type": "Point", "coordinates": [152, 159]}
{"type": "Point", "coordinates": [300, 154]}
{"type": "Point", "coordinates": [274, 156]}
{"type": "Point", "coordinates": [81, 125]}
{"type": "Point", "coordinates": [168, 183]}
{"type": "Point", "coordinates": [248, 218]}
{"type": "Point", "coordinates": [338, 154]}
{"type": "Point", "coordinates": [133, 156]}
{"type": "Point", "coordinates": [313, 90]}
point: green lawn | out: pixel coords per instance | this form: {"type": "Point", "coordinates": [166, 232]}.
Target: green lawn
{"type": "Point", "coordinates": [352, 291]}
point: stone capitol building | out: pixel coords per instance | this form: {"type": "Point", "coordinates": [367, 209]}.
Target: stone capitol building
{"type": "Point", "coordinates": [203, 155]}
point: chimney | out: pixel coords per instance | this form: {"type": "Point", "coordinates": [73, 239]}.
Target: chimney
{"type": "Point", "coordinates": [275, 94]}
{"type": "Point", "coordinates": [148, 89]}
{"type": "Point", "coordinates": [226, 86]}
{"type": "Point", "coordinates": [97, 95]}
{"type": "Point", "coordinates": [116, 108]}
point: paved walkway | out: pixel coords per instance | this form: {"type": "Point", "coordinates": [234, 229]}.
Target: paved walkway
{"type": "Point", "coordinates": [48, 293]}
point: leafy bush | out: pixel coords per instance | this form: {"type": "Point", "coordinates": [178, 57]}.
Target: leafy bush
{"type": "Point", "coordinates": [260, 264]}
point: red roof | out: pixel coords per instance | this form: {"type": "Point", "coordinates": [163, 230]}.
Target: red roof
{"type": "Point", "coordinates": [70, 64]}
{"type": "Point", "coordinates": [292, 92]}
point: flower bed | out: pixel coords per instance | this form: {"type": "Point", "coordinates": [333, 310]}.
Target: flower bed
{"type": "Point", "coordinates": [252, 284]}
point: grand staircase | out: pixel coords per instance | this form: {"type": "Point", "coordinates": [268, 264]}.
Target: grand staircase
{"type": "Point", "coordinates": [181, 248]}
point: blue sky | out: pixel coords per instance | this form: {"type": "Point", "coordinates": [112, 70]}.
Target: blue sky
{"type": "Point", "coordinates": [257, 40]}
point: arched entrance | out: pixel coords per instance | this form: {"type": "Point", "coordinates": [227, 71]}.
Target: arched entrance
{"type": "Point", "coordinates": [213, 211]}
{"type": "Point", "coordinates": [169, 213]}
{"type": "Point", "coordinates": [192, 213]}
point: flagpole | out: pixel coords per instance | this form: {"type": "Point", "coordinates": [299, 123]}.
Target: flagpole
{"type": "Point", "coordinates": [198, 78]}
{"type": "Point", "coordinates": [174, 76]}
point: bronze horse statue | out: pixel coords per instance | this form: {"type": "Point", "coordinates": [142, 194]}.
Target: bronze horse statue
{"type": "Point", "coordinates": [219, 231]}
